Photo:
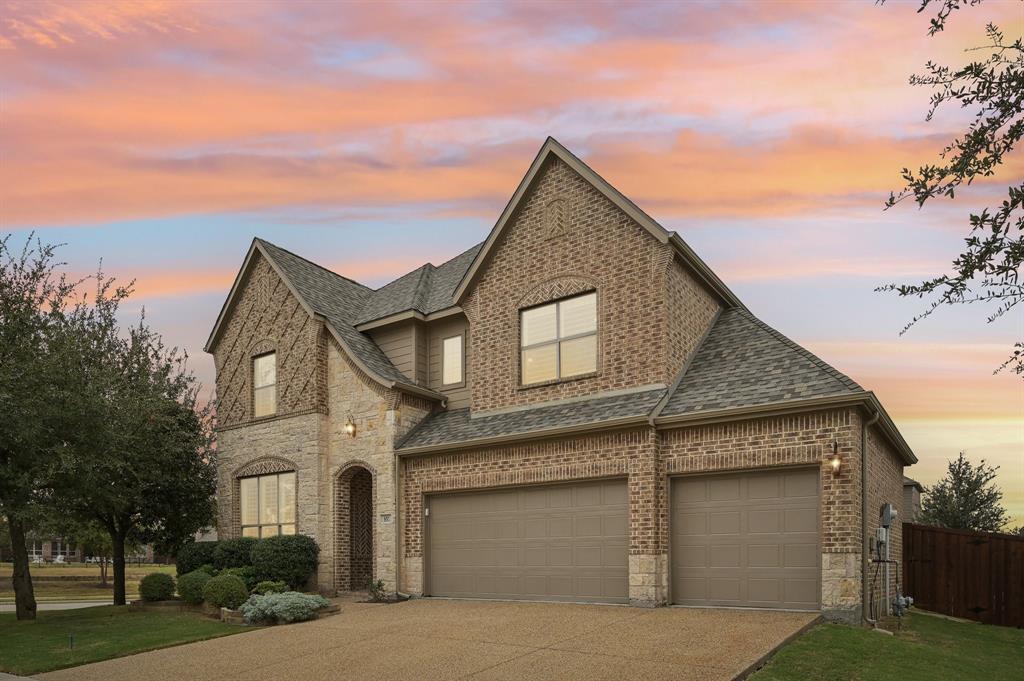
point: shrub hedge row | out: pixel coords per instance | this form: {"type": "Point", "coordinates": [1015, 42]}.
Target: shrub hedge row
{"type": "Point", "coordinates": [290, 558]}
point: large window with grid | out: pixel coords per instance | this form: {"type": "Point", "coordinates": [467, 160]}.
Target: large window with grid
{"type": "Point", "coordinates": [559, 340]}
{"type": "Point", "coordinates": [264, 385]}
{"type": "Point", "coordinates": [268, 505]}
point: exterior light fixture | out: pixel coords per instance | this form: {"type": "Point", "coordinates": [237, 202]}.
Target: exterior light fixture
{"type": "Point", "coordinates": [350, 426]}
{"type": "Point", "coordinates": [835, 462]}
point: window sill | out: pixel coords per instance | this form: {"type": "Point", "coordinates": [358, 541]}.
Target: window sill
{"type": "Point", "coordinates": [558, 381]}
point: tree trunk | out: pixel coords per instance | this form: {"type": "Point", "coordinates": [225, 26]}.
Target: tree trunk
{"type": "Point", "coordinates": [24, 595]}
{"type": "Point", "coordinates": [103, 570]}
{"type": "Point", "coordinates": [117, 538]}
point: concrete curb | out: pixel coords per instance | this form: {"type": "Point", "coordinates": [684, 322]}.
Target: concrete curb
{"type": "Point", "coordinates": [763, 660]}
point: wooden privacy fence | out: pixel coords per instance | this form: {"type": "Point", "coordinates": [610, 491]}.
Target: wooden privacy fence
{"type": "Point", "coordinates": [975, 575]}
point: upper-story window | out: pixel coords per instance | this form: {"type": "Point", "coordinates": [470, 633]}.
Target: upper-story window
{"type": "Point", "coordinates": [559, 340]}
{"type": "Point", "coordinates": [451, 360]}
{"type": "Point", "coordinates": [268, 505]}
{"type": "Point", "coordinates": [264, 385]}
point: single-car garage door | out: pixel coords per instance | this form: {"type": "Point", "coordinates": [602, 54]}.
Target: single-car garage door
{"type": "Point", "coordinates": [552, 543]}
{"type": "Point", "coordinates": [747, 539]}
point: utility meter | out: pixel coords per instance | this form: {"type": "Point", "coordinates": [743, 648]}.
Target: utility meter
{"type": "Point", "coordinates": [888, 515]}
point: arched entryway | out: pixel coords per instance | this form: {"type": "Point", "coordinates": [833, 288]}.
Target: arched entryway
{"type": "Point", "coordinates": [354, 529]}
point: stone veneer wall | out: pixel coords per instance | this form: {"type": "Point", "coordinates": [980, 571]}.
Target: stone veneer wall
{"type": "Point", "coordinates": [588, 243]}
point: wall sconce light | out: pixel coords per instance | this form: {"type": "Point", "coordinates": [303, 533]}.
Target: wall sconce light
{"type": "Point", "coordinates": [835, 461]}
{"type": "Point", "coordinates": [350, 426]}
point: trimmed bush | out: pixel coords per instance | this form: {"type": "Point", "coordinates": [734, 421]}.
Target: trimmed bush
{"type": "Point", "coordinates": [289, 558]}
{"type": "Point", "coordinates": [194, 555]}
{"type": "Point", "coordinates": [270, 588]}
{"type": "Point", "coordinates": [157, 586]}
{"type": "Point", "coordinates": [247, 573]}
{"type": "Point", "coordinates": [289, 606]}
{"type": "Point", "coordinates": [190, 586]}
{"type": "Point", "coordinates": [225, 591]}
{"type": "Point", "coordinates": [233, 553]}
{"type": "Point", "coordinates": [208, 569]}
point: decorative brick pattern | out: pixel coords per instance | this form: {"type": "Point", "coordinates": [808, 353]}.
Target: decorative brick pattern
{"type": "Point", "coordinates": [267, 317]}
{"type": "Point", "coordinates": [353, 528]}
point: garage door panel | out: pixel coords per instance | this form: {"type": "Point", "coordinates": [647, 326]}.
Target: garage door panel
{"type": "Point", "coordinates": [723, 489]}
{"type": "Point", "coordinates": [746, 539]}
{"type": "Point", "coordinates": [565, 543]}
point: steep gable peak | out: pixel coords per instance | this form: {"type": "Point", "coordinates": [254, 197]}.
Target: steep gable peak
{"type": "Point", "coordinates": [553, 149]}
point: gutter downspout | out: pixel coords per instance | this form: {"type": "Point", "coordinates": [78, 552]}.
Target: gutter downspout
{"type": "Point", "coordinates": [865, 540]}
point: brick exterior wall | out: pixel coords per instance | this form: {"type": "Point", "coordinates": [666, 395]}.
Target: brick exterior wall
{"type": "Point", "coordinates": [885, 485]}
{"type": "Point", "coordinates": [588, 244]}
{"type": "Point", "coordinates": [268, 318]}
{"type": "Point", "coordinates": [690, 311]}
{"type": "Point", "coordinates": [800, 439]}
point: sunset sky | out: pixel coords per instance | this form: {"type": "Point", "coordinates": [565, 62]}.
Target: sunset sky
{"type": "Point", "coordinates": [162, 137]}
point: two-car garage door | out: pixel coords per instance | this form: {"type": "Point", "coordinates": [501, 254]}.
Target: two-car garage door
{"type": "Point", "coordinates": [552, 542]}
{"type": "Point", "coordinates": [741, 539]}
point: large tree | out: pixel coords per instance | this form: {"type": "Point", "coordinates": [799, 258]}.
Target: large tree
{"type": "Point", "coordinates": [965, 499]}
{"type": "Point", "coordinates": [34, 300]}
{"type": "Point", "coordinates": [991, 87]}
{"type": "Point", "coordinates": [141, 462]}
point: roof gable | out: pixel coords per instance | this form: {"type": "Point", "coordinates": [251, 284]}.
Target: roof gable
{"type": "Point", "coordinates": [552, 147]}
{"type": "Point", "coordinates": [329, 297]}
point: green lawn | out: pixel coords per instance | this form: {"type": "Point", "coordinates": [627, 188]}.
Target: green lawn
{"type": "Point", "coordinates": [48, 587]}
{"type": "Point", "coordinates": [99, 634]}
{"type": "Point", "coordinates": [928, 648]}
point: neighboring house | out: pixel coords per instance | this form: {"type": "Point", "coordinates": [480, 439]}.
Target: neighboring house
{"type": "Point", "coordinates": [66, 550]}
{"type": "Point", "coordinates": [912, 490]}
{"type": "Point", "coordinates": [577, 409]}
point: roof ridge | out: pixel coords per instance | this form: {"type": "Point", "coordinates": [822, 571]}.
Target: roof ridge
{"type": "Point", "coordinates": [314, 264]}
{"type": "Point", "coordinates": [804, 352]}
{"type": "Point", "coordinates": [422, 291]}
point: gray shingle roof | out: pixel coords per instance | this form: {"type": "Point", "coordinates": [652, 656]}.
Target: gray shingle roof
{"type": "Point", "coordinates": [426, 289]}
{"type": "Point", "coordinates": [455, 426]}
{"type": "Point", "coordinates": [744, 362]}
{"type": "Point", "coordinates": [337, 299]}
{"type": "Point", "coordinates": [346, 303]}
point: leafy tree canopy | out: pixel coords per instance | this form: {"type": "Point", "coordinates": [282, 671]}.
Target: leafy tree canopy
{"type": "Point", "coordinates": [965, 499]}
{"type": "Point", "coordinates": [991, 87]}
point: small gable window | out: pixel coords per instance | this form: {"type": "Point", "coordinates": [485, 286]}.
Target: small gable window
{"type": "Point", "coordinates": [559, 340]}
{"type": "Point", "coordinates": [451, 360]}
{"type": "Point", "coordinates": [264, 385]}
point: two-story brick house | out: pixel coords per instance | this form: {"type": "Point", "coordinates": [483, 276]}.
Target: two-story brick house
{"type": "Point", "coordinates": [576, 409]}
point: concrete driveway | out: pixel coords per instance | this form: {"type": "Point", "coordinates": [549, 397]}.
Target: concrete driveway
{"type": "Point", "coordinates": [478, 640]}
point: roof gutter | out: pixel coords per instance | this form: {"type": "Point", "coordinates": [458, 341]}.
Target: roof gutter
{"type": "Point", "coordinates": [864, 398]}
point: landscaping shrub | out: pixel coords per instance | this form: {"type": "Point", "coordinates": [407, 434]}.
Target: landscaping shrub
{"type": "Point", "coordinates": [192, 556]}
{"type": "Point", "coordinates": [157, 586]}
{"type": "Point", "coordinates": [270, 588]}
{"type": "Point", "coordinates": [377, 592]}
{"type": "Point", "coordinates": [225, 591]}
{"type": "Point", "coordinates": [208, 569]}
{"type": "Point", "coordinates": [233, 553]}
{"type": "Point", "coordinates": [247, 573]}
{"type": "Point", "coordinates": [289, 606]}
{"type": "Point", "coordinates": [289, 558]}
{"type": "Point", "coordinates": [190, 586]}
